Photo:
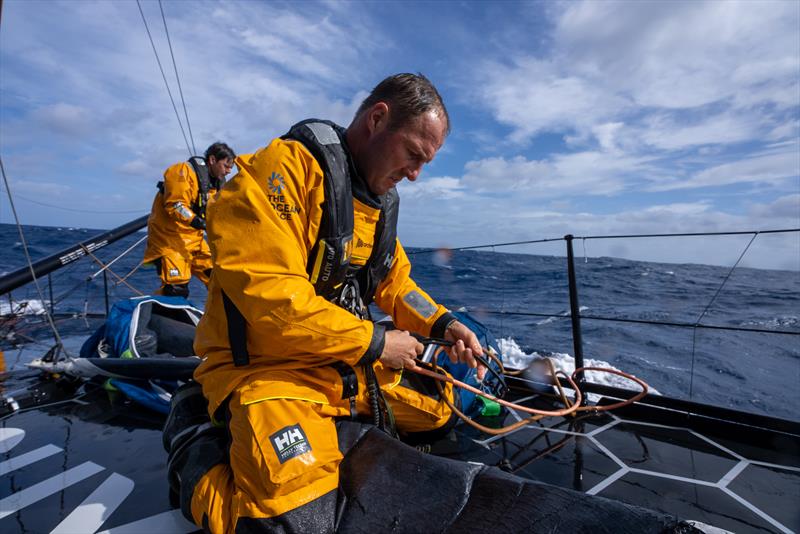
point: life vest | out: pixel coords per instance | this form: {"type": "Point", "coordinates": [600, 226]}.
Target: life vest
{"type": "Point", "coordinates": [329, 268]}
{"type": "Point", "coordinates": [329, 262]}
{"type": "Point", "coordinates": [204, 184]}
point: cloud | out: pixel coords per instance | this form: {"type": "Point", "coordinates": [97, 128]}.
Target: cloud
{"type": "Point", "coordinates": [770, 168]}
{"type": "Point", "coordinates": [683, 54]}
{"type": "Point", "coordinates": [786, 208]}
{"type": "Point", "coordinates": [585, 173]}
{"type": "Point", "coordinates": [66, 119]}
{"type": "Point", "coordinates": [677, 74]}
{"type": "Point", "coordinates": [440, 187]}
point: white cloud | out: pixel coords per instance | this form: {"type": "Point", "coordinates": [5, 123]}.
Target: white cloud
{"type": "Point", "coordinates": [66, 119]}
{"type": "Point", "coordinates": [770, 168]}
{"type": "Point", "coordinates": [440, 187]}
{"type": "Point", "coordinates": [785, 208]}
{"type": "Point", "coordinates": [585, 173]}
{"type": "Point", "coordinates": [653, 76]}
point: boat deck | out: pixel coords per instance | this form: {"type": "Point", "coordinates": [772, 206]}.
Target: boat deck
{"type": "Point", "coordinates": [729, 476]}
{"type": "Point", "coordinates": [64, 450]}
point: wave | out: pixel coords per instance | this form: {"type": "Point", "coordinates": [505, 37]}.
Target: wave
{"type": "Point", "coordinates": [24, 307]}
{"type": "Point", "coordinates": [561, 315]}
{"type": "Point", "coordinates": [517, 358]}
{"type": "Point", "coordinates": [777, 322]}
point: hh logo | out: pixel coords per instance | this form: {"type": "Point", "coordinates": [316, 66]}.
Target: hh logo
{"type": "Point", "coordinates": [289, 442]}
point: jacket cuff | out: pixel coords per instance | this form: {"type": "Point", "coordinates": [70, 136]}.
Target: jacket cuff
{"type": "Point", "coordinates": [440, 326]}
{"type": "Point", "coordinates": [375, 348]}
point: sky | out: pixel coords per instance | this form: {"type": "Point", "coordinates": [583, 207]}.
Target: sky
{"type": "Point", "coordinates": [582, 117]}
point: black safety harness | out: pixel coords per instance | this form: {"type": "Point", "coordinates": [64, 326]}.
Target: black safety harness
{"type": "Point", "coordinates": [205, 183]}
{"type": "Point", "coordinates": [329, 268]}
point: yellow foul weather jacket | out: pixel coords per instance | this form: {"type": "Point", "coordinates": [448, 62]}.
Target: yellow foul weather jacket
{"type": "Point", "coordinates": [169, 230]}
{"type": "Point", "coordinates": [261, 230]}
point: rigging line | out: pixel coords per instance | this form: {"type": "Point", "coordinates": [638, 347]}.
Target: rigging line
{"type": "Point", "coordinates": [130, 273]}
{"type": "Point", "coordinates": [695, 234]}
{"type": "Point", "coordinates": [109, 264]}
{"type": "Point", "coordinates": [175, 67]}
{"type": "Point", "coordinates": [60, 344]}
{"type": "Point", "coordinates": [164, 76]}
{"type": "Point", "coordinates": [490, 245]}
{"type": "Point", "coordinates": [73, 209]}
{"type": "Point", "coordinates": [689, 234]}
{"type": "Point", "coordinates": [697, 322]}
{"type": "Point", "coordinates": [100, 263]}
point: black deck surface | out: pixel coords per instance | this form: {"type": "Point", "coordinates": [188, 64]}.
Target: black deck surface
{"type": "Point", "coordinates": [81, 456]}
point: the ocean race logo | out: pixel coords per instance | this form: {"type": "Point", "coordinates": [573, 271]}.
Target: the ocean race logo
{"type": "Point", "coordinates": [289, 442]}
{"type": "Point", "coordinates": [276, 186]}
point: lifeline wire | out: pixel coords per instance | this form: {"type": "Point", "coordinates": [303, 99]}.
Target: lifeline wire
{"type": "Point", "coordinates": [73, 209]}
{"type": "Point", "coordinates": [697, 322]}
{"type": "Point", "coordinates": [178, 78]}
{"type": "Point", "coordinates": [28, 258]}
{"type": "Point", "coordinates": [177, 115]}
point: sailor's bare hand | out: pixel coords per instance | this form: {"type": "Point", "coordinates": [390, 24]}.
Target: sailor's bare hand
{"type": "Point", "coordinates": [465, 347]}
{"type": "Point", "coordinates": [400, 350]}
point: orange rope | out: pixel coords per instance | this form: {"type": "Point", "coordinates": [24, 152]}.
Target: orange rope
{"type": "Point", "coordinates": [571, 409]}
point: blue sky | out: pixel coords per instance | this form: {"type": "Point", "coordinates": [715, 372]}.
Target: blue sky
{"type": "Point", "coordinates": [577, 117]}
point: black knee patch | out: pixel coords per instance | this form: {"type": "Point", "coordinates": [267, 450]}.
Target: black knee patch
{"type": "Point", "coordinates": [316, 516]}
{"type": "Point", "coordinates": [205, 448]}
{"type": "Point", "coordinates": [194, 445]}
{"type": "Point", "coordinates": [175, 290]}
{"type": "Point", "coordinates": [188, 408]}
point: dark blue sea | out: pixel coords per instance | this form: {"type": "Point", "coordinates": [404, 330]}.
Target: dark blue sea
{"type": "Point", "coordinates": [524, 299]}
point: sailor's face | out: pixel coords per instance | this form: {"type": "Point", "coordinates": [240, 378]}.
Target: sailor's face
{"type": "Point", "coordinates": [401, 153]}
{"type": "Point", "coordinates": [219, 168]}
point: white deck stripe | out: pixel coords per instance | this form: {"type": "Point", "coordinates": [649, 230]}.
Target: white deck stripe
{"type": "Point", "coordinates": [28, 458]}
{"type": "Point", "coordinates": [607, 452]}
{"type": "Point", "coordinates": [171, 522]}
{"type": "Point", "coordinates": [758, 512]}
{"type": "Point", "coordinates": [775, 466]}
{"type": "Point", "coordinates": [603, 428]}
{"type": "Point", "coordinates": [37, 492]}
{"type": "Point", "coordinates": [714, 443]}
{"type": "Point", "coordinates": [9, 437]}
{"type": "Point", "coordinates": [675, 477]}
{"type": "Point", "coordinates": [97, 507]}
{"type": "Point", "coordinates": [733, 473]}
{"type": "Point", "coordinates": [607, 482]}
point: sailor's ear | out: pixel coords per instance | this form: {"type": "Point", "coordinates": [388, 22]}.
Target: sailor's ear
{"type": "Point", "coordinates": [378, 117]}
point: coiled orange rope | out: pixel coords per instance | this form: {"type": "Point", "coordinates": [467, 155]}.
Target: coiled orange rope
{"type": "Point", "coordinates": [571, 407]}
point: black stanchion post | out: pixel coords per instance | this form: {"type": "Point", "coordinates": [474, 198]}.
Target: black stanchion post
{"type": "Point", "coordinates": [574, 307]}
{"type": "Point", "coordinates": [105, 288]}
{"type": "Point", "coordinates": [50, 287]}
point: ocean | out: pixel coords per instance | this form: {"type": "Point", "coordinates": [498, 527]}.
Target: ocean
{"type": "Point", "coordinates": [524, 300]}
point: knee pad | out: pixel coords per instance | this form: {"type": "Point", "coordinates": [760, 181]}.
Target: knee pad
{"type": "Point", "coordinates": [194, 445]}
{"type": "Point", "coordinates": [188, 409]}
{"type": "Point", "coordinates": [175, 290]}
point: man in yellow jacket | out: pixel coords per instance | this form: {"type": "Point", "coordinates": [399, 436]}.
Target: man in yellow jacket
{"type": "Point", "coordinates": [303, 239]}
{"type": "Point", "coordinates": [175, 242]}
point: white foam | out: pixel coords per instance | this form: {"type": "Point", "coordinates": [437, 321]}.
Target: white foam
{"type": "Point", "coordinates": [561, 315]}
{"type": "Point", "coordinates": [517, 358]}
{"type": "Point", "coordinates": [23, 307]}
